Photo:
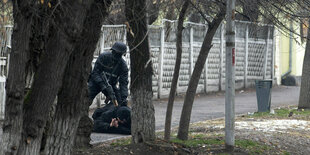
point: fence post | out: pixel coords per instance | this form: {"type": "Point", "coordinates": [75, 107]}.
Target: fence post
{"type": "Point", "coordinates": [125, 33]}
{"type": "Point", "coordinates": [102, 41]}
{"type": "Point", "coordinates": [2, 97]}
{"type": "Point", "coordinates": [191, 52]}
{"type": "Point", "coordinates": [161, 61]}
{"type": "Point", "coordinates": [206, 70]}
{"type": "Point", "coordinates": [9, 30]}
{"type": "Point", "coordinates": [246, 63]}
{"type": "Point", "coordinates": [221, 56]}
{"type": "Point", "coordinates": [206, 76]}
{"type": "Point", "coordinates": [272, 53]}
{"type": "Point", "coordinates": [266, 55]}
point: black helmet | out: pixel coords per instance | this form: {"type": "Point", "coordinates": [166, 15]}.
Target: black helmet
{"type": "Point", "coordinates": [119, 47]}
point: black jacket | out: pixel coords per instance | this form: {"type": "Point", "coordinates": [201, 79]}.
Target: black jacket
{"type": "Point", "coordinates": [103, 117]}
{"type": "Point", "coordinates": [108, 71]}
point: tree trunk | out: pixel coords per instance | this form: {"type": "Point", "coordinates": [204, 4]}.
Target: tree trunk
{"type": "Point", "coordinates": [15, 85]}
{"type": "Point", "coordinates": [170, 15]}
{"type": "Point", "coordinates": [93, 29]}
{"type": "Point", "coordinates": [304, 97]}
{"type": "Point", "coordinates": [37, 48]}
{"type": "Point", "coordinates": [72, 98]}
{"type": "Point", "coordinates": [36, 45]}
{"type": "Point", "coordinates": [66, 25]}
{"type": "Point", "coordinates": [176, 70]}
{"type": "Point", "coordinates": [250, 10]}
{"type": "Point", "coordinates": [143, 119]}
{"type": "Point", "coordinates": [193, 83]}
{"type": "Point", "coordinates": [152, 10]}
{"type": "Point", "coordinates": [46, 84]}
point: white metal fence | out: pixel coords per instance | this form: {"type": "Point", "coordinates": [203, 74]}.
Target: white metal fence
{"type": "Point", "coordinates": [254, 55]}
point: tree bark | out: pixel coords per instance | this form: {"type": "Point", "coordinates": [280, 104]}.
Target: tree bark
{"type": "Point", "coordinates": [36, 44]}
{"type": "Point", "coordinates": [143, 119]}
{"type": "Point", "coordinates": [73, 97]}
{"type": "Point", "coordinates": [250, 10]}
{"type": "Point", "coordinates": [176, 70]}
{"type": "Point", "coordinates": [171, 14]}
{"type": "Point", "coordinates": [66, 25]}
{"type": "Point", "coordinates": [193, 83]}
{"type": "Point", "coordinates": [304, 97]}
{"type": "Point", "coordinates": [152, 10]}
{"type": "Point", "coordinates": [93, 29]}
{"type": "Point", "coordinates": [15, 85]}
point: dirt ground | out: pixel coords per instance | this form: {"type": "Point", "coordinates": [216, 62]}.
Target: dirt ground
{"type": "Point", "coordinates": [286, 133]}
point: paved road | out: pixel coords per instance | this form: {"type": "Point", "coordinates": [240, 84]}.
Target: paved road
{"type": "Point", "coordinates": [213, 106]}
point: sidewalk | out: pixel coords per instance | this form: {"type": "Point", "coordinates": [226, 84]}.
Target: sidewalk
{"type": "Point", "coordinates": [213, 106]}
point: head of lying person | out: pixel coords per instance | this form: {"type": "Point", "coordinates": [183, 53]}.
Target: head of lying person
{"type": "Point", "coordinates": [123, 115]}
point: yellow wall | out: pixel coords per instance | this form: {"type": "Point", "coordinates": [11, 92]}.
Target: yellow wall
{"type": "Point", "coordinates": [297, 53]}
{"type": "Point", "coordinates": [284, 53]}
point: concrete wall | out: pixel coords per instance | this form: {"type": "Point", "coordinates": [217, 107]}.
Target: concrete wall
{"type": "Point", "coordinates": [2, 97]}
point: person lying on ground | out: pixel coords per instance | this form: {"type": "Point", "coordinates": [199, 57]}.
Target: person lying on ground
{"type": "Point", "coordinates": [112, 119]}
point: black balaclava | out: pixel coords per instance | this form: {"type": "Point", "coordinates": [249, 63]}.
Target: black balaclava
{"type": "Point", "coordinates": [116, 55]}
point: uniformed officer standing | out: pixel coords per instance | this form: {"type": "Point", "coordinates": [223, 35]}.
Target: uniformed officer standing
{"type": "Point", "coordinates": [110, 68]}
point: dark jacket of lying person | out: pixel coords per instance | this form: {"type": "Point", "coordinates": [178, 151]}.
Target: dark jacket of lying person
{"type": "Point", "coordinates": [111, 119]}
